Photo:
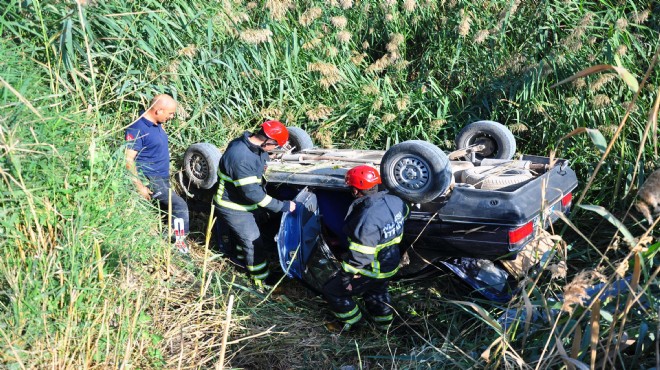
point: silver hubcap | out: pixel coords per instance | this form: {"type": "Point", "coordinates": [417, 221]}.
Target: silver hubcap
{"type": "Point", "coordinates": [412, 173]}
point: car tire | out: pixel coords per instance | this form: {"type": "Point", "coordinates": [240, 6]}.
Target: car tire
{"type": "Point", "coordinates": [299, 139]}
{"type": "Point", "coordinates": [200, 163]}
{"type": "Point", "coordinates": [458, 167]}
{"type": "Point", "coordinates": [496, 178]}
{"type": "Point", "coordinates": [416, 171]}
{"type": "Point", "coordinates": [498, 139]}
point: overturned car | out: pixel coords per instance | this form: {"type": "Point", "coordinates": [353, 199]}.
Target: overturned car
{"type": "Point", "coordinates": [476, 202]}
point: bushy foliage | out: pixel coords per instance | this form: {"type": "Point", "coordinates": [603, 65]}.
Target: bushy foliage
{"type": "Point", "coordinates": [361, 74]}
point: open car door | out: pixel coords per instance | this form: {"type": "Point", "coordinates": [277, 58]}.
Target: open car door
{"type": "Point", "coordinates": [303, 253]}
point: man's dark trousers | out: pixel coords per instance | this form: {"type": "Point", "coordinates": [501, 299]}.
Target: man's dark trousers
{"type": "Point", "coordinates": [160, 187]}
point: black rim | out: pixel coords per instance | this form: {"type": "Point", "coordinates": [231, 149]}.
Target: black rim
{"type": "Point", "coordinates": [199, 167]}
{"type": "Point", "coordinates": [491, 147]}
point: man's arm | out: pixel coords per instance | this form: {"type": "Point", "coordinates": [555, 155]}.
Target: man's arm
{"type": "Point", "coordinates": [144, 191]}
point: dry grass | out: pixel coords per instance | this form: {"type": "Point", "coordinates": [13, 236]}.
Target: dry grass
{"type": "Point", "coordinates": [82, 286]}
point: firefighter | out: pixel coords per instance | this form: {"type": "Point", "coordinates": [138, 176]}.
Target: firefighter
{"type": "Point", "coordinates": [374, 226]}
{"type": "Point", "coordinates": [241, 195]}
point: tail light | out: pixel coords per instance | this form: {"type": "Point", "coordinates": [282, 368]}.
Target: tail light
{"type": "Point", "coordinates": [567, 200]}
{"type": "Point", "coordinates": [522, 233]}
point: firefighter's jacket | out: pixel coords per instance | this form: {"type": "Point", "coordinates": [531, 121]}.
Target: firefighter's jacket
{"type": "Point", "coordinates": [241, 185]}
{"type": "Point", "coordinates": [374, 226]}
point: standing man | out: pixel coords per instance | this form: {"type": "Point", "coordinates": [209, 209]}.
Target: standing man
{"type": "Point", "coordinates": [374, 226]}
{"type": "Point", "coordinates": [241, 194]}
{"type": "Point", "coordinates": [148, 160]}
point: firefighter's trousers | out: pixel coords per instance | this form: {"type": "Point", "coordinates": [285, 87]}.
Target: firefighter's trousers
{"type": "Point", "coordinates": [340, 290]}
{"type": "Point", "coordinates": [244, 230]}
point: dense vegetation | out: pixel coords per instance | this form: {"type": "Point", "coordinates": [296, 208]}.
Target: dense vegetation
{"type": "Point", "coordinates": [86, 280]}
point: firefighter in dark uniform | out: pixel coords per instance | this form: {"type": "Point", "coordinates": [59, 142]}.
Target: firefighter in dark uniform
{"type": "Point", "coordinates": [241, 194]}
{"type": "Point", "coordinates": [374, 226]}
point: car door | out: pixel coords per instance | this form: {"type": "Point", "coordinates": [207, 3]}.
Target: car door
{"type": "Point", "coordinates": [303, 253]}
{"type": "Point", "coordinates": [299, 233]}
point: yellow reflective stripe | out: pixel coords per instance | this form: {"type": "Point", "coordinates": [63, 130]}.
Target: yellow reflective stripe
{"type": "Point", "coordinates": [256, 267]}
{"type": "Point", "coordinates": [224, 177]}
{"type": "Point", "coordinates": [389, 317]}
{"type": "Point", "coordinates": [239, 182]}
{"type": "Point", "coordinates": [220, 192]}
{"type": "Point", "coordinates": [365, 249]}
{"type": "Point", "coordinates": [247, 181]}
{"type": "Point", "coordinates": [396, 240]}
{"type": "Point", "coordinates": [350, 269]}
{"type": "Point", "coordinates": [347, 314]}
{"type": "Point", "coordinates": [262, 276]}
{"type": "Point", "coordinates": [375, 265]}
{"type": "Point", "coordinates": [226, 203]}
{"type": "Point", "coordinates": [373, 250]}
{"type": "Point", "coordinates": [238, 207]}
{"type": "Point", "coordinates": [385, 275]}
{"type": "Point", "coordinates": [355, 319]}
{"type": "Point", "coordinates": [372, 274]}
{"type": "Point", "coordinates": [264, 202]}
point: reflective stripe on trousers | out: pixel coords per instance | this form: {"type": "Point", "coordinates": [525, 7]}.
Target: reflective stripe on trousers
{"type": "Point", "coordinates": [350, 317]}
{"type": "Point", "coordinates": [243, 229]}
{"type": "Point", "coordinates": [341, 288]}
{"type": "Point", "coordinates": [258, 272]}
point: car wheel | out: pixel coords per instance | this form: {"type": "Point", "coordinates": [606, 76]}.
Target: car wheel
{"type": "Point", "coordinates": [416, 171]}
{"type": "Point", "coordinates": [198, 199]}
{"type": "Point", "coordinates": [200, 163]}
{"type": "Point", "coordinates": [299, 139]}
{"type": "Point", "coordinates": [498, 140]}
{"type": "Point", "coordinates": [496, 178]}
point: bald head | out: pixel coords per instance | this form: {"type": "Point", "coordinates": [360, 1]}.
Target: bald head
{"type": "Point", "coordinates": [161, 109]}
{"type": "Point", "coordinates": [162, 101]}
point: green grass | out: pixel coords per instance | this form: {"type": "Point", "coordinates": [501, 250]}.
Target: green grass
{"type": "Point", "coordinates": [85, 280]}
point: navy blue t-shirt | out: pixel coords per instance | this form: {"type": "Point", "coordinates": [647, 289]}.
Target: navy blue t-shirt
{"type": "Point", "coordinates": [150, 141]}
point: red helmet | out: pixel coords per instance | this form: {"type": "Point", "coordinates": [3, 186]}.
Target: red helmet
{"type": "Point", "coordinates": [363, 177]}
{"type": "Point", "coordinates": [275, 130]}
